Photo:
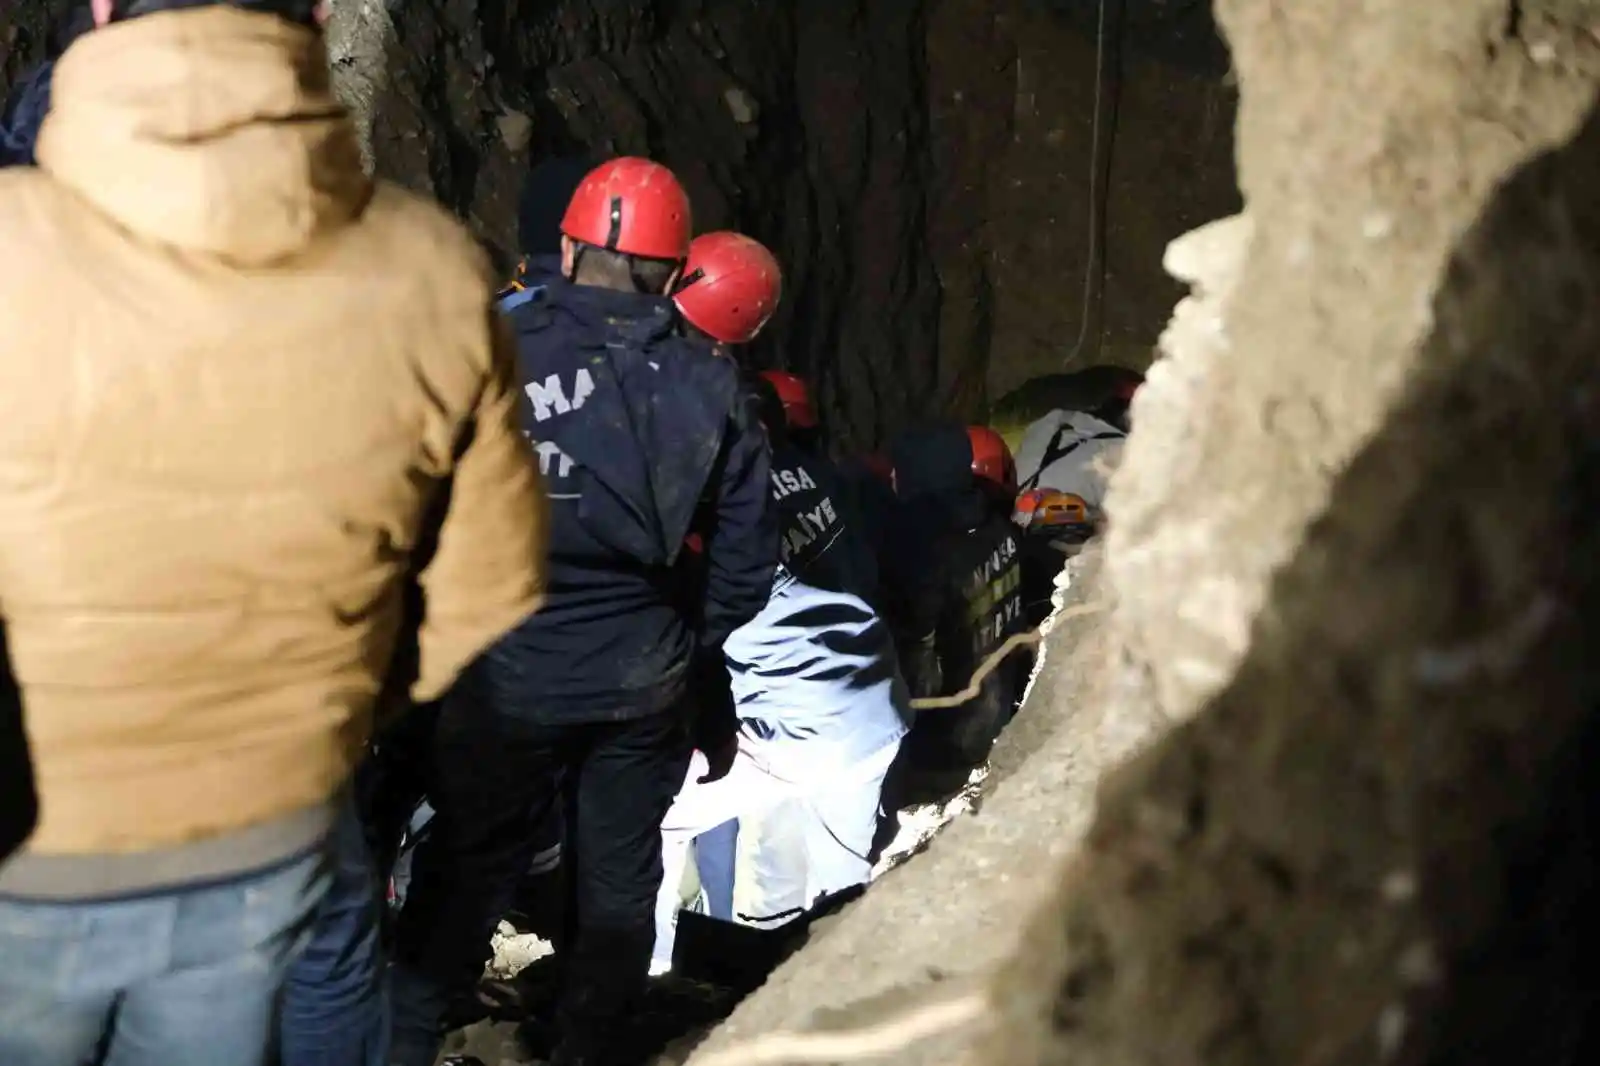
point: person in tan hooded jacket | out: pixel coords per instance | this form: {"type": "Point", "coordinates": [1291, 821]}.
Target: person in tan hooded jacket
{"type": "Point", "coordinates": [239, 377]}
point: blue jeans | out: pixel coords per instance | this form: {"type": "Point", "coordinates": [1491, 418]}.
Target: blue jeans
{"type": "Point", "coordinates": [715, 856]}
{"type": "Point", "coordinates": [184, 977]}
{"type": "Point", "coordinates": [335, 1002]}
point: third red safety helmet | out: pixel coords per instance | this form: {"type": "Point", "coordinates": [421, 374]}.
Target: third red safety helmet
{"type": "Point", "coordinates": [878, 465]}
{"type": "Point", "coordinates": [730, 288]}
{"type": "Point", "coordinates": [992, 463]}
{"type": "Point", "coordinates": [798, 410]}
{"type": "Point", "coordinates": [633, 206]}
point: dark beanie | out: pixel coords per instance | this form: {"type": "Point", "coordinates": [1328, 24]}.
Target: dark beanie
{"type": "Point", "coordinates": [545, 194]}
{"type": "Point", "coordinates": [301, 11]}
{"type": "Point", "coordinates": [932, 459]}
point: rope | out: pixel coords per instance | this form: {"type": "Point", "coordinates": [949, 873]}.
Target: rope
{"type": "Point", "coordinates": [1094, 187]}
{"type": "Point", "coordinates": [855, 1045]}
{"type": "Point", "coordinates": [989, 665]}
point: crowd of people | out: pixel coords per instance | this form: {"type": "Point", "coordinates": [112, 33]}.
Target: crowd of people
{"type": "Point", "coordinates": [346, 589]}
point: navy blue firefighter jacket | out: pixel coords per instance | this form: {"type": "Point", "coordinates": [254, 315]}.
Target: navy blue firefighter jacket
{"type": "Point", "coordinates": [22, 115]}
{"type": "Point", "coordinates": [633, 424]}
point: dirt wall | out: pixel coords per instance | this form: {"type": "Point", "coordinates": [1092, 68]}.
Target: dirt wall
{"type": "Point", "coordinates": [922, 167]}
{"type": "Point", "coordinates": [1372, 842]}
{"type": "Point", "coordinates": [1360, 827]}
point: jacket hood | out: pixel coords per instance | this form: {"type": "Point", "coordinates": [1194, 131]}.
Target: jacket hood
{"type": "Point", "coordinates": [212, 129]}
{"type": "Point", "coordinates": [933, 460]}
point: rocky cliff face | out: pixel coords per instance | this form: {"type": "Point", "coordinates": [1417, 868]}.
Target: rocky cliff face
{"type": "Point", "coordinates": [922, 167]}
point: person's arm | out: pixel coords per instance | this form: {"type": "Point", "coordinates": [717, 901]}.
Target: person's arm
{"type": "Point", "coordinates": [916, 640]}
{"type": "Point", "coordinates": [914, 592]}
{"type": "Point", "coordinates": [741, 551]}
{"type": "Point", "coordinates": [487, 571]}
{"type": "Point", "coordinates": [740, 556]}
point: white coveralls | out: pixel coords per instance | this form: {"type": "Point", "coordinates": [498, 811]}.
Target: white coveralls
{"type": "Point", "coordinates": [823, 710]}
{"type": "Point", "coordinates": [1069, 451]}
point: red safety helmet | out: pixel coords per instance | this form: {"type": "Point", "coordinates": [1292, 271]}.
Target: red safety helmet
{"type": "Point", "coordinates": [879, 466]}
{"type": "Point", "coordinates": [631, 205]}
{"type": "Point", "coordinates": [798, 410]}
{"type": "Point", "coordinates": [730, 287]}
{"type": "Point", "coordinates": [992, 463]}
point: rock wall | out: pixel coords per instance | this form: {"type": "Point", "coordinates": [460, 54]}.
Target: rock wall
{"type": "Point", "coordinates": [1361, 826]}
{"type": "Point", "coordinates": [922, 167]}
{"type": "Point", "coordinates": [1071, 280]}
{"type": "Point", "coordinates": [1368, 145]}
{"type": "Point", "coordinates": [1370, 842]}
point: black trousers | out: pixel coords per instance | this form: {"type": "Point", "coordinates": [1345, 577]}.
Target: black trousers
{"type": "Point", "coordinates": [493, 781]}
{"type": "Point", "coordinates": [394, 780]}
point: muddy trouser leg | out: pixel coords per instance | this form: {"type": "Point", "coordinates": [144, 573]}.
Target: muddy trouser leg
{"type": "Point", "coordinates": [539, 906]}
{"type": "Point", "coordinates": [619, 792]}
{"type": "Point", "coordinates": [816, 844]}
{"type": "Point", "coordinates": [488, 773]}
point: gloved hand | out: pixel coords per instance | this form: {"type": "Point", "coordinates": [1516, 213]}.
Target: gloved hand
{"type": "Point", "coordinates": [716, 726]}
{"type": "Point", "coordinates": [719, 760]}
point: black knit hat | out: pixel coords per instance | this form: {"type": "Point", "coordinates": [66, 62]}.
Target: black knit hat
{"type": "Point", "coordinates": [302, 11]}
{"type": "Point", "coordinates": [545, 194]}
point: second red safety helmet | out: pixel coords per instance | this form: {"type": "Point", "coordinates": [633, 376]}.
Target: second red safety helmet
{"type": "Point", "coordinates": [798, 410]}
{"type": "Point", "coordinates": [992, 463]}
{"type": "Point", "coordinates": [633, 206]}
{"type": "Point", "coordinates": [730, 288]}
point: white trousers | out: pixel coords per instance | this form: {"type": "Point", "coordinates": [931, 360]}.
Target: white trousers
{"type": "Point", "coordinates": [798, 840]}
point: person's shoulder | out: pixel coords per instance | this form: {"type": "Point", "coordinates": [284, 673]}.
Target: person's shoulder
{"type": "Point", "coordinates": [690, 358]}
{"type": "Point", "coordinates": [427, 240]}
{"type": "Point", "coordinates": [35, 216]}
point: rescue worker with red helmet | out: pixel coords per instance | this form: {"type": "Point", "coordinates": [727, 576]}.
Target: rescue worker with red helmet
{"type": "Point", "coordinates": [821, 704]}
{"type": "Point", "coordinates": [730, 288]}
{"type": "Point", "coordinates": [801, 423]}
{"type": "Point", "coordinates": [584, 705]}
{"type": "Point", "coordinates": [953, 585]}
